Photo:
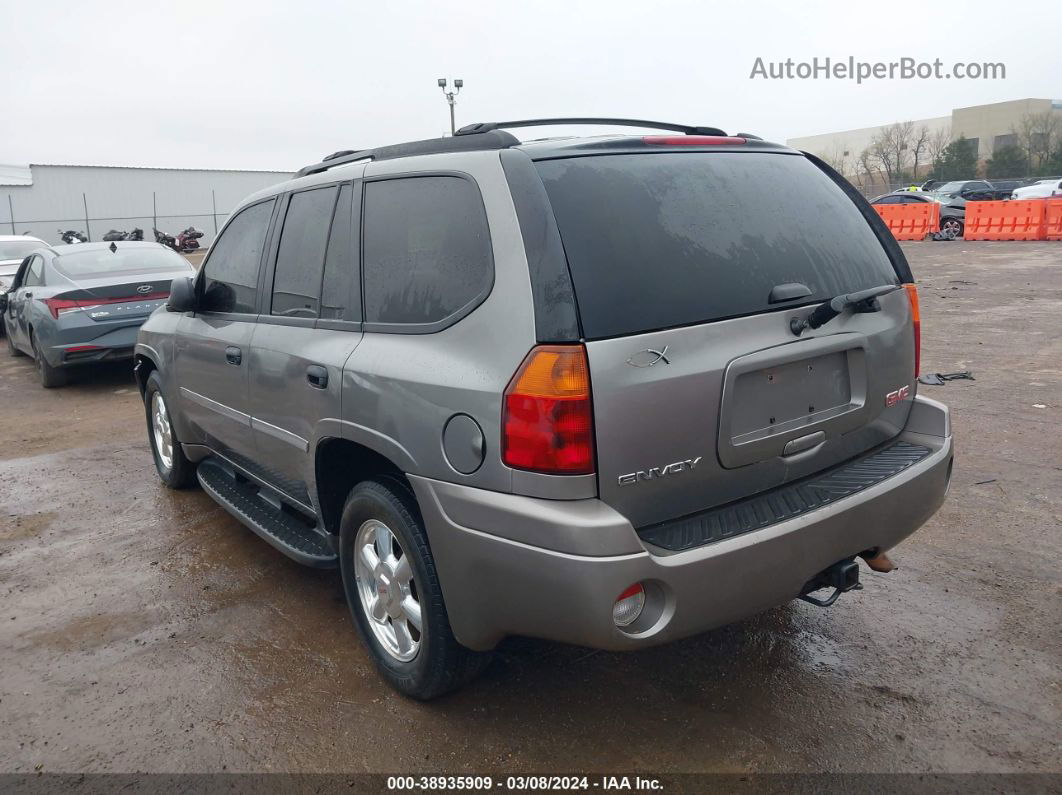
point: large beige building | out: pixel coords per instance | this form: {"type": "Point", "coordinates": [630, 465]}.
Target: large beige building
{"type": "Point", "coordinates": [991, 126]}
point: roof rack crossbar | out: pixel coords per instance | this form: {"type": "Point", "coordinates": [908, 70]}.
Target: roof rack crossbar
{"type": "Point", "coordinates": [487, 126]}
{"type": "Point", "coordinates": [484, 140]}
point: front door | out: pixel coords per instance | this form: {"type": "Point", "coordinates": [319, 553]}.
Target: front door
{"type": "Point", "coordinates": [213, 344]}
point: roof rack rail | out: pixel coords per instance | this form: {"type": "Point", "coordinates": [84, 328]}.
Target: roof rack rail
{"type": "Point", "coordinates": [488, 126]}
{"type": "Point", "coordinates": [488, 139]}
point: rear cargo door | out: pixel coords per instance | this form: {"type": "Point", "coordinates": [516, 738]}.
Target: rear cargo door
{"type": "Point", "coordinates": [687, 268]}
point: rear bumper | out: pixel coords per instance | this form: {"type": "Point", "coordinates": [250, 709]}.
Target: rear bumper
{"type": "Point", "coordinates": [70, 348]}
{"type": "Point", "coordinates": [497, 580]}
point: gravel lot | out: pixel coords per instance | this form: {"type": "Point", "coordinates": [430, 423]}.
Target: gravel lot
{"type": "Point", "coordinates": [146, 630]}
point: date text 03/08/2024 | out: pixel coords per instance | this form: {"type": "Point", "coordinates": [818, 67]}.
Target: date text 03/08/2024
{"type": "Point", "coordinates": [523, 783]}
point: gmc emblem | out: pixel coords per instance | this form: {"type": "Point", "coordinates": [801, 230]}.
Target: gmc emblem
{"type": "Point", "coordinates": [893, 398]}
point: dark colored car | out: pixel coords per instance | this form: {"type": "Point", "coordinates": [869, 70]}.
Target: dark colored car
{"type": "Point", "coordinates": [952, 216]}
{"type": "Point", "coordinates": [78, 304]}
{"type": "Point", "coordinates": [1003, 188]}
{"type": "Point", "coordinates": [962, 191]}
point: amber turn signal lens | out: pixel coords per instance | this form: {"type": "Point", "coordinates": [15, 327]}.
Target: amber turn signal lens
{"type": "Point", "coordinates": [548, 421]}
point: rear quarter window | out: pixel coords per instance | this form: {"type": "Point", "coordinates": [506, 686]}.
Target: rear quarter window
{"type": "Point", "coordinates": [426, 251]}
{"type": "Point", "coordinates": [661, 240]}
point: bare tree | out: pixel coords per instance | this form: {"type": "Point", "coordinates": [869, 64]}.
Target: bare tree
{"type": "Point", "coordinates": [1038, 134]}
{"type": "Point", "coordinates": [937, 143]}
{"type": "Point", "coordinates": [839, 158]}
{"type": "Point", "coordinates": [890, 148]}
{"type": "Point", "coordinates": [867, 162]}
{"type": "Point", "coordinates": [919, 147]}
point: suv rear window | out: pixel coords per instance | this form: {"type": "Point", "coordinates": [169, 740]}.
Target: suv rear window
{"type": "Point", "coordinates": [671, 239]}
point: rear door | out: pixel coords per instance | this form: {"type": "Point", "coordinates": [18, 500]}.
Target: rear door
{"type": "Point", "coordinates": [687, 269]}
{"type": "Point", "coordinates": [309, 326]}
{"type": "Point", "coordinates": [213, 343]}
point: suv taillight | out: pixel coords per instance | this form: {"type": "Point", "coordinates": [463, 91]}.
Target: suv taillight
{"type": "Point", "coordinates": [547, 422]}
{"type": "Point", "coordinates": [916, 318]}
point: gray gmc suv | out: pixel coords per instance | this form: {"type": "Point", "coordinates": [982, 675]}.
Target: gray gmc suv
{"type": "Point", "coordinates": [610, 391]}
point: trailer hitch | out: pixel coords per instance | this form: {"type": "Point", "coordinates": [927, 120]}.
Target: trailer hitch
{"type": "Point", "coordinates": [842, 576]}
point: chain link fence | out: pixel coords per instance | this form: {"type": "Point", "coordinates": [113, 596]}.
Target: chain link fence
{"type": "Point", "coordinates": [94, 228]}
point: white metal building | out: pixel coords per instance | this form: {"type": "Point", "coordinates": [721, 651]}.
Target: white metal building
{"type": "Point", "coordinates": [42, 199]}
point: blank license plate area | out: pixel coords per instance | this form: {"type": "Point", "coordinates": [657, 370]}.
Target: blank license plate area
{"type": "Point", "coordinates": [785, 397]}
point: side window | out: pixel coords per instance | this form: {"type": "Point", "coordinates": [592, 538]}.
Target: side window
{"type": "Point", "coordinates": [230, 274]}
{"type": "Point", "coordinates": [426, 253]}
{"type": "Point", "coordinates": [34, 273]}
{"type": "Point", "coordinates": [341, 292]}
{"type": "Point", "coordinates": [300, 259]}
{"type": "Point", "coordinates": [889, 200]}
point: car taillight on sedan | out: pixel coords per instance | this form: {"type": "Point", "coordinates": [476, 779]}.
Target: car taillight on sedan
{"type": "Point", "coordinates": [60, 306]}
{"type": "Point", "coordinates": [547, 421]}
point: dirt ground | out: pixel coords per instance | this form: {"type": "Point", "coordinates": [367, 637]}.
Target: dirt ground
{"type": "Point", "coordinates": [146, 630]}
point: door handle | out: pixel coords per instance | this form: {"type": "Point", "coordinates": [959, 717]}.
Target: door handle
{"type": "Point", "coordinates": [317, 376]}
{"type": "Point", "coordinates": [233, 355]}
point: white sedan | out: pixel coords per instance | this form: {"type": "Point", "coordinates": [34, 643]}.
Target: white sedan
{"type": "Point", "coordinates": [14, 249]}
{"type": "Point", "coordinates": [1044, 189]}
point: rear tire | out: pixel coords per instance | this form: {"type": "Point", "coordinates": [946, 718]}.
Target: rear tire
{"type": "Point", "coordinates": [388, 571]}
{"type": "Point", "coordinates": [173, 466]}
{"type": "Point", "coordinates": [51, 377]}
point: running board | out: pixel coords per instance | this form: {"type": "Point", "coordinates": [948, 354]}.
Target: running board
{"type": "Point", "coordinates": [261, 511]}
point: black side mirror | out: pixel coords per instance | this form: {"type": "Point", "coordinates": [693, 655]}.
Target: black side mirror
{"type": "Point", "coordinates": [3, 303]}
{"type": "Point", "coordinates": [182, 295]}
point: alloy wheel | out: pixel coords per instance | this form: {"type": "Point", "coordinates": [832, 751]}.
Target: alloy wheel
{"type": "Point", "coordinates": [162, 430]}
{"type": "Point", "coordinates": [387, 590]}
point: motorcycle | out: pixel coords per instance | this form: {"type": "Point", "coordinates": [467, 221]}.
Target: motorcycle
{"type": "Point", "coordinates": [70, 236]}
{"type": "Point", "coordinates": [114, 234]}
{"type": "Point", "coordinates": [188, 240]}
{"type": "Point", "coordinates": [164, 239]}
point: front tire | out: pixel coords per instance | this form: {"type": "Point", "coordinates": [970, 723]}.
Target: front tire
{"type": "Point", "coordinates": [51, 377]}
{"type": "Point", "coordinates": [393, 590]}
{"type": "Point", "coordinates": [174, 468]}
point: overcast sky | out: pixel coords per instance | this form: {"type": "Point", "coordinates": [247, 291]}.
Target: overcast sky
{"type": "Point", "coordinates": [275, 85]}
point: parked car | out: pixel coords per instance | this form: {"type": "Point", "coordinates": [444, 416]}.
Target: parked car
{"type": "Point", "coordinates": [605, 391]}
{"type": "Point", "coordinates": [962, 191]}
{"type": "Point", "coordinates": [952, 216]}
{"type": "Point", "coordinates": [14, 249]}
{"type": "Point", "coordinates": [1044, 189]}
{"type": "Point", "coordinates": [1002, 188]}
{"type": "Point", "coordinates": [74, 305]}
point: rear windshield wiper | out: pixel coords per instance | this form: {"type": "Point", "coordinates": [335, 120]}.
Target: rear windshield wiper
{"type": "Point", "coordinates": [862, 301]}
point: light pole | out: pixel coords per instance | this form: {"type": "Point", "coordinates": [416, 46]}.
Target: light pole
{"type": "Point", "coordinates": [451, 97]}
